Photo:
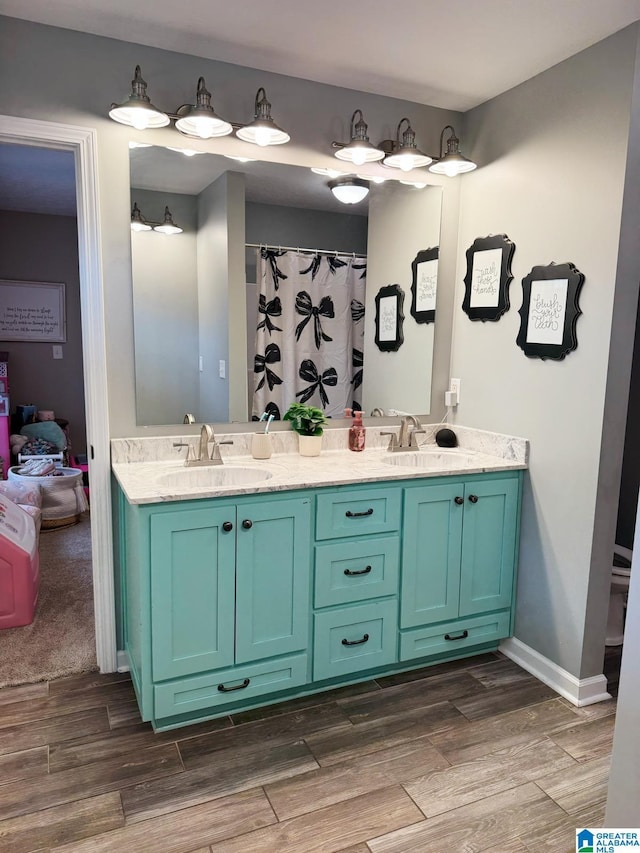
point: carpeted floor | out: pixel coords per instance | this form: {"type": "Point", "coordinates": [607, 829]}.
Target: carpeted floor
{"type": "Point", "coordinates": [61, 639]}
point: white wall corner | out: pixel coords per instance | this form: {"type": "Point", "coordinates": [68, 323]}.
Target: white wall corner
{"type": "Point", "coordinates": [579, 691]}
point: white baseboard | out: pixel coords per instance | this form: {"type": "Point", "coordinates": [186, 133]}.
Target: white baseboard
{"type": "Point", "coordinates": [579, 691]}
{"type": "Point", "coordinates": [122, 661]}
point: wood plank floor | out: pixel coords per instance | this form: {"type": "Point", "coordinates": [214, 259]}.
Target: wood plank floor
{"type": "Point", "coordinates": [463, 757]}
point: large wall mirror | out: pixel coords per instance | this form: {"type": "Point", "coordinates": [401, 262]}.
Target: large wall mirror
{"type": "Point", "coordinates": [197, 295]}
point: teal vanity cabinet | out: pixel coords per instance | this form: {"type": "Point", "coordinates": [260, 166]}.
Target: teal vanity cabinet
{"type": "Point", "coordinates": [458, 563]}
{"type": "Point", "coordinates": [217, 602]}
{"type": "Point", "coordinates": [231, 603]}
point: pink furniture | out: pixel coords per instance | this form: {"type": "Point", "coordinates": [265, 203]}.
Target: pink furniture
{"type": "Point", "coordinates": [19, 565]}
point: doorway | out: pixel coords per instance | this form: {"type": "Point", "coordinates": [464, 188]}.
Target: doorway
{"type": "Point", "coordinates": [82, 142]}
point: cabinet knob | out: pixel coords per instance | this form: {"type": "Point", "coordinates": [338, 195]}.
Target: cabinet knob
{"type": "Point", "coordinates": [458, 500]}
{"type": "Point", "coordinates": [473, 499]}
{"type": "Point", "coordinates": [247, 524]}
{"type": "Point", "coordinates": [227, 526]}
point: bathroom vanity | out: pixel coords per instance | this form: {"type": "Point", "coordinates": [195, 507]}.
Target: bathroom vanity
{"type": "Point", "coordinates": [325, 572]}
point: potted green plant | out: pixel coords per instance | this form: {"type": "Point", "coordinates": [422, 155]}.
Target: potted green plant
{"type": "Point", "coordinates": [307, 421]}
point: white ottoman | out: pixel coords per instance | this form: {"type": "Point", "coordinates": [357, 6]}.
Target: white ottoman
{"type": "Point", "coordinates": [63, 498]}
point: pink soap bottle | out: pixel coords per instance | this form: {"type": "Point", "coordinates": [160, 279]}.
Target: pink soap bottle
{"type": "Point", "coordinates": [357, 432]}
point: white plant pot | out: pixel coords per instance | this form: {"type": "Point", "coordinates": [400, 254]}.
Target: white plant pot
{"type": "Point", "coordinates": [309, 445]}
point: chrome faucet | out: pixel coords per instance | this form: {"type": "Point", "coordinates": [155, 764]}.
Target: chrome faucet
{"type": "Point", "coordinates": [207, 437]}
{"type": "Point", "coordinates": [410, 426]}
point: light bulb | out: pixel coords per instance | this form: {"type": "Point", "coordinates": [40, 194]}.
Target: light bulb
{"type": "Point", "coordinates": [451, 169]}
{"type": "Point", "coordinates": [359, 157]}
{"type": "Point", "coordinates": [263, 136]}
{"type": "Point", "coordinates": [139, 119]}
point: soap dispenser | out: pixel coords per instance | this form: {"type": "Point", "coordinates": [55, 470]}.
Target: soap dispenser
{"type": "Point", "coordinates": [357, 432]}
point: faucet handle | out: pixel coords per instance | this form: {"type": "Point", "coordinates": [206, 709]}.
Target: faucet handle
{"type": "Point", "coordinates": [393, 443]}
{"type": "Point", "coordinates": [412, 434]}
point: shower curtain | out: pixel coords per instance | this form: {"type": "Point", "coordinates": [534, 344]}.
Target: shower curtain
{"type": "Point", "coordinates": [310, 333]}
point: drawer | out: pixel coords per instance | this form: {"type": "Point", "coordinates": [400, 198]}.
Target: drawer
{"type": "Point", "coordinates": [451, 636]}
{"type": "Point", "coordinates": [203, 691]}
{"type": "Point", "coordinates": [354, 639]}
{"type": "Point", "coordinates": [340, 514]}
{"type": "Point", "coordinates": [356, 570]}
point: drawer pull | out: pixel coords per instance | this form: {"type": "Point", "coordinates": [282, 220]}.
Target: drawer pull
{"type": "Point", "coordinates": [355, 642]}
{"type": "Point", "coordinates": [351, 574]}
{"type": "Point", "coordinates": [350, 514]}
{"type": "Point", "coordinates": [462, 636]}
{"type": "Point", "coordinates": [244, 684]}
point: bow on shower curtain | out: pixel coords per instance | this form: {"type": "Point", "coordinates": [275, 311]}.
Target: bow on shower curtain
{"type": "Point", "coordinates": [310, 333]}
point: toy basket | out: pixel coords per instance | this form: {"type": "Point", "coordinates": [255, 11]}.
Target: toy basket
{"type": "Point", "coordinates": [63, 498]}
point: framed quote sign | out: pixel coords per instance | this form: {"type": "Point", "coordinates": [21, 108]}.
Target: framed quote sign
{"type": "Point", "coordinates": [32, 311]}
{"type": "Point", "coordinates": [550, 311]}
{"type": "Point", "coordinates": [488, 277]}
{"type": "Point", "coordinates": [424, 285]}
{"type": "Point", "coordinates": [389, 318]}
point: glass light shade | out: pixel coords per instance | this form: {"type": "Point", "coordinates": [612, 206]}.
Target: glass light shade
{"type": "Point", "coordinates": [328, 173]}
{"type": "Point", "coordinates": [359, 153]}
{"type": "Point", "coordinates": [376, 180]}
{"type": "Point", "coordinates": [188, 152]}
{"type": "Point", "coordinates": [263, 132]}
{"type": "Point", "coordinates": [419, 185]}
{"type": "Point", "coordinates": [349, 190]}
{"type": "Point", "coordinates": [137, 220]}
{"type": "Point", "coordinates": [452, 165]}
{"type": "Point", "coordinates": [139, 115]}
{"type": "Point", "coordinates": [240, 159]}
{"type": "Point", "coordinates": [140, 226]}
{"type": "Point", "coordinates": [407, 160]}
{"type": "Point", "coordinates": [205, 126]}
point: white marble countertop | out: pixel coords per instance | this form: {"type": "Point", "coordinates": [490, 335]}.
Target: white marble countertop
{"type": "Point", "coordinates": [152, 470]}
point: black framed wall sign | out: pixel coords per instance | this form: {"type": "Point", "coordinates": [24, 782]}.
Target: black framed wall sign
{"type": "Point", "coordinates": [424, 285]}
{"type": "Point", "coordinates": [550, 311]}
{"type": "Point", "coordinates": [389, 318]}
{"type": "Point", "coordinates": [488, 277]}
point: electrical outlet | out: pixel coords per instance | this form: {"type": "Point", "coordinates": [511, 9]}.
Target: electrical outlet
{"type": "Point", "coordinates": [200, 363]}
{"type": "Point", "coordinates": [222, 369]}
{"type": "Point", "coordinates": [57, 351]}
{"type": "Point", "coordinates": [454, 385]}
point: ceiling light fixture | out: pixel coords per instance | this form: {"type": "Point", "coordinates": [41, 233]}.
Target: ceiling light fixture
{"type": "Point", "coordinates": [262, 130]}
{"type": "Point", "coordinates": [451, 163]}
{"type": "Point", "coordinates": [349, 190]}
{"type": "Point", "coordinates": [358, 150]}
{"type": "Point", "coordinates": [140, 223]}
{"type": "Point", "coordinates": [405, 154]}
{"type": "Point", "coordinates": [197, 120]}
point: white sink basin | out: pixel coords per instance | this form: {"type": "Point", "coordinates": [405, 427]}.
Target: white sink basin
{"type": "Point", "coordinates": [432, 460]}
{"type": "Point", "coordinates": [214, 476]}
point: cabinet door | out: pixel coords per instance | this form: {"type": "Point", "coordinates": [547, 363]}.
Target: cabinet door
{"type": "Point", "coordinates": [273, 575]}
{"type": "Point", "coordinates": [192, 591]}
{"type": "Point", "coordinates": [488, 545]}
{"type": "Point", "coordinates": [431, 540]}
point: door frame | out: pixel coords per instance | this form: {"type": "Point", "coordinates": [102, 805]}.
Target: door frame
{"type": "Point", "coordinates": [82, 142]}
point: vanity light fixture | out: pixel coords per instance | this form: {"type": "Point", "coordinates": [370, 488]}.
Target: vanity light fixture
{"type": "Point", "coordinates": [138, 111]}
{"type": "Point", "coordinates": [452, 162]}
{"type": "Point", "coordinates": [405, 154]}
{"type": "Point", "coordinates": [197, 120]}
{"type": "Point", "coordinates": [349, 190]}
{"type": "Point", "coordinates": [358, 150]}
{"type": "Point", "coordinates": [140, 223]}
{"type": "Point", "coordinates": [262, 130]}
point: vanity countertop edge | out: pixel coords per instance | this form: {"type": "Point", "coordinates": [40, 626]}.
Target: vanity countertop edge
{"type": "Point", "coordinates": [140, 464]}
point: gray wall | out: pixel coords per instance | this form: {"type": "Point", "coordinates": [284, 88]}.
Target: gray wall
{"type": "Point", "coordinates": [36, 247]}
{"type": "Point", "coordinates": [29, 52]}
{"type": "Point", "coordinates": [553, 152]}
{"type": "Point", "coordinates": [165, 308]}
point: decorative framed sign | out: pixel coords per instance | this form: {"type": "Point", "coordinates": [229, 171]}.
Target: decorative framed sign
{"type": "Point", "coordinates": [424, 285]}
{"type": "Point", "coordinates": [389, 318]}
{"type": "Point", "coordinates": [32, 311]}
{"type": "Point", "coordinates": [550, 311]}
{"type": "Point", "coordinates": [488, 277]}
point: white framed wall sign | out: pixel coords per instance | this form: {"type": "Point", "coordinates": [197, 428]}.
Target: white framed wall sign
{"type": "Point", "coordinates": [32, 311]}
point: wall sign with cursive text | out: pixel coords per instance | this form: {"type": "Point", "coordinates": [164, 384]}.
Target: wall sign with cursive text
{"type": "Point", "coordinates": [424, 285]}
{"type": "Point", "coordinates": [488, 277]}
{"type": "Point", "coordinates": [550, 311]}
{"type": "Point", "coordinates": [32, 311]}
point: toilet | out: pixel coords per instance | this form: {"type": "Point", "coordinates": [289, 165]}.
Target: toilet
{"type": "Point", "coordinates": [620, 574]}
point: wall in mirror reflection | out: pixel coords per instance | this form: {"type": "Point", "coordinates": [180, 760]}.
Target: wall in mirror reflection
{"type": "Point", "coordinates": [195, 296]}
